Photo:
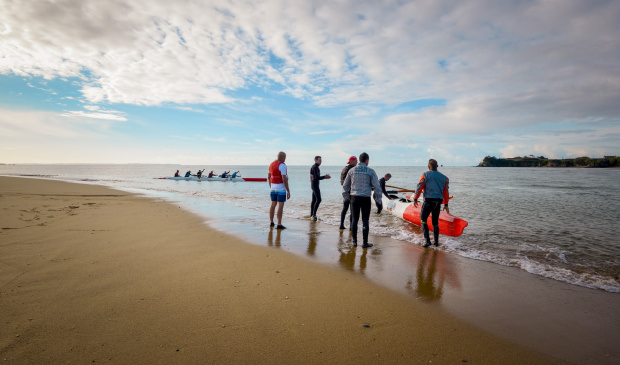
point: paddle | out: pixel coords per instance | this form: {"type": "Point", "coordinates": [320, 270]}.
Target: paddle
{"type": "Point", "coordinates": [403, 190]}
{"type": "Point", "coordinates": [400, 190]}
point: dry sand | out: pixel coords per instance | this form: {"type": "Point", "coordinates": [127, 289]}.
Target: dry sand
{"type": "Point", "coordinates": [89, 274]}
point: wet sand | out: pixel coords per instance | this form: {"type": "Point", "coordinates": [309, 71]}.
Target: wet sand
{"type": "Point", "coordinates": [89, 274]}
{"type": "Point", "coordinates": [576, 324]}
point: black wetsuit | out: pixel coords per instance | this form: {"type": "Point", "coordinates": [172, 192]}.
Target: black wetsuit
{"type": "Point", "coordinates": [315, 177]}
{"type": "Point", "coordinates": [432, 207]}
{"type": "Point", "coordinates": [360, 205]}
{"type": "Point", "coordinates": [346, 203]}
{"type": "Point", "coordinates": [382, 183]}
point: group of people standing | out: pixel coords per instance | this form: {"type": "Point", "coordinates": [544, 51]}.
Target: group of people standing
{"type": "Point", "coordinates": [360, 185]}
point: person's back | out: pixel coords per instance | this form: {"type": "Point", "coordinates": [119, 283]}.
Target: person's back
{"type": "Point", "coordinates": [358, 187]}
{"type": "Point", "coordinates": [362, 181]}
{"type": "Point", "coordinates": [434, 184]}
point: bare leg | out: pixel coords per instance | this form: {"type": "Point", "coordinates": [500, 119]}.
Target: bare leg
{"type": "Point", "coordinates": [280, 210]}
{"type": "Point", "coordinates": [272, 211]}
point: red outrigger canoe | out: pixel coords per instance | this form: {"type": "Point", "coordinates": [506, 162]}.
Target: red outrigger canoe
{"type": "Point", "coordinates": [449, 224]}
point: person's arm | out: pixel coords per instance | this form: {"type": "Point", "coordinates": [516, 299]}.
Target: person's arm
{"type": "Point", "coordinates": [446, 196]}
{"type": "Point", "coordinates": [374, 181]}
{"type": "Point", "coordinates": [346, 187]}
{"type": "Point", "coordinates": [288, 191]}
{"type": "Point", "coordinates": [382, 183]}
{"type": "Point", "coordinates": [419, 189]}
{"type": "Point", "coordinates": [269, 179]}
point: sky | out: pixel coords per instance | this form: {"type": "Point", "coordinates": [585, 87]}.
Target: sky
{"type": "Point", "coordinates": [228, 82]}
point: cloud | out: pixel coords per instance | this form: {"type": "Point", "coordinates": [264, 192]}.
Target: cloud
{"type": "Point", "coordinates": [24, 124]}
{"type": "Point", "coordinates": [106, 115]}
{"type": "Point", "coordinates": [325, 132]}
{"type": "Point", "coordinates": [501, 66]}
{"type": "Point", "coordinates": [346, 52]}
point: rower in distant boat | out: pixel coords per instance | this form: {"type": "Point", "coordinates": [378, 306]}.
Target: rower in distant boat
{"type": "Point", "coordinates": [199, 174]}
{"type": "Point", "coordinates": [210, 174]}
{"type": "Point", "coordinates": [176, 174]}
{"type": "Point", "coordinates": [234, 175]}
{"type": "Point", "coordinates": [188, 173]}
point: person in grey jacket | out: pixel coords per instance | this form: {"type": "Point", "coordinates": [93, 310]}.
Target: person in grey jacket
{"type": "Point", "coordinates": [360, 183]}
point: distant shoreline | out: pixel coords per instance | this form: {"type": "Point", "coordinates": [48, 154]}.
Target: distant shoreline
{"type": "Point", "coordinates": [541, 161]}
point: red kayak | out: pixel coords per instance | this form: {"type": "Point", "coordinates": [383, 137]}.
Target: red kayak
{"type": "Point", "coordinates": [449, 224]}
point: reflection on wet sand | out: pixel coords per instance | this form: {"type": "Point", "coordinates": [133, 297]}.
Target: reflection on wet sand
{"type": "Point", "coordinates": [348, 254]}
{"type": "Point", "coordinates": [423, 273]}
{"type": "Point", "coordinates": [270, 240]}
{"type": "Point", "coordinates": [313, 235]}
{"type": "Point", "coordinates": [428, 286]}
{"type": "Point", "coordinates": [432, 270]}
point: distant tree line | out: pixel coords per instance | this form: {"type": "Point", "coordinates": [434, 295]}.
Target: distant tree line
{"type": "Point", "coordinates": [541, 161]}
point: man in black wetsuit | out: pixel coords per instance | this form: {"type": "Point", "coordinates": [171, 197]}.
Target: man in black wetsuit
{"type": "Point", "coordinates": [315, 177]}
{"type": "Point", "coordinates": [346, 203]}
{"type": "Point", "coordinates": [382, 181]}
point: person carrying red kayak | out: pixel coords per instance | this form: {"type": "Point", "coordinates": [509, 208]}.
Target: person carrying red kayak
{"type": "Point", "coordinates": [435, 187]}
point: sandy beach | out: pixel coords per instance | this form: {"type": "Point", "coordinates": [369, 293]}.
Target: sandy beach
{"type": "Point", "coordinates": [89, 274]}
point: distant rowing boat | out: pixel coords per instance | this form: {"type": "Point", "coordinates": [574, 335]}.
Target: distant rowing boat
{"type": "Point", "coordinates": [449, 224]}
{"type": "Point", "coordinates": [214, 178]}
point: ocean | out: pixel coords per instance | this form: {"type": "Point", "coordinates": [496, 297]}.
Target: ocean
{"type": "Point", "coordinates": [559, 223]}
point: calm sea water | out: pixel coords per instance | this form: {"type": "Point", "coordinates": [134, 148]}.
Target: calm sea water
{"type": "Point", "coordinates": [557, 223]}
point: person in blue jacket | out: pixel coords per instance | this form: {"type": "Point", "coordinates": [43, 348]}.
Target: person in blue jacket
{"type": "Point", "coordinates": [434, 184]}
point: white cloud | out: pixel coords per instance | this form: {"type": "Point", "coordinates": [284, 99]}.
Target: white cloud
{"type": "Point", "coordinates": [106, 115]}
{"type": "Point", "coordinates": [499, 66]}
{"type": "Point", "coordinates": [379, 52]}
{"type": "Point", "coordinates": [325, 132]}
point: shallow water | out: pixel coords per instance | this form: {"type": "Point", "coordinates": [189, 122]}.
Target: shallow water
{"type": "Point", "coordinates": [557, 223]}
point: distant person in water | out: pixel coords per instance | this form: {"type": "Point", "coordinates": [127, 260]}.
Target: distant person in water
{"type": "Point", "coordinates": [382, 181]}
{"type": "Point", "coordinates": [346, 202]}
{"type": "Point", "coordinates": [176, 174]}
{"type": "Point", "coordinates": [315, 177]}
{"type": "Point", "coordinates": [358, 187]}
{"type": "Point", "coordinates": [188, 173]}
{"type": "Point", "coordinates": [434, 184]}
{"type": "Point", "coordinates": [199, 174]}
{"type": "Point", "coordinates": [277, 177]}
{"type": "Point", "coordinates": [210, 174]}
{"type": "Point", "coordinates": [234, 175]}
